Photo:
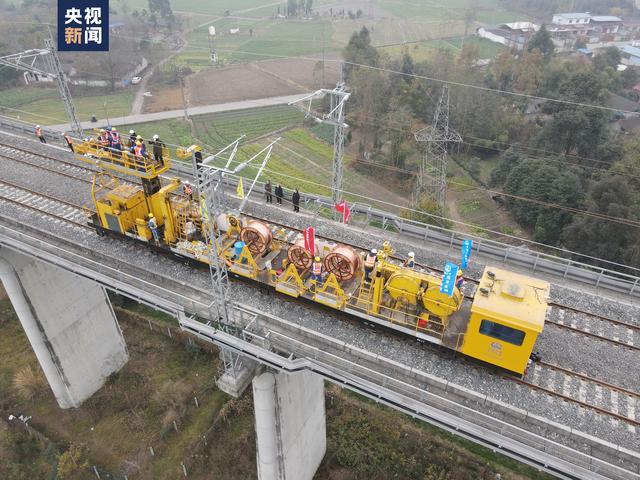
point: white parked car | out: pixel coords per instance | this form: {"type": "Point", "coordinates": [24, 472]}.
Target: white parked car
{"type": "Point", "coordinates": [136, 80]}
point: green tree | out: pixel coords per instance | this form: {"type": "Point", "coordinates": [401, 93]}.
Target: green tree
{"type": "Point", "coordinates": [500, 173]}
{"type": "Point", "coordinates": [398, 125]}
{"type": "Point", "coordinates": [543, 182]}
{"type": "Point", "coordinates": [360, 51]}
{"type": "Point", "coordinates": [528, 72]}
{"type": "Point", "coordinates": [609, 57]}
{"type": "Point", "coordinates": [543, 42]}
{"type": "Point", "coordinates": [604, 239]}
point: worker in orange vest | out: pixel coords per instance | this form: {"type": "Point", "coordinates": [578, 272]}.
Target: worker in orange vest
{"type": "Point", "coordinates": [68, 141]}
{"type": "Point", "coordinates": [39, 134]}
{"type": "Point", "coordinates": [369, 264]}
{"type": "Point", "coordinates": [316, 270]}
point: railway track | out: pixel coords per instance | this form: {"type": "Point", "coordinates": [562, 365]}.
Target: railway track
{"type": "Point", "coordinates": [587, 392]}
{"type": "Point", "coordinates": [618, 403]}
{"type": "Point", "coordinates": [48, 206]}
{"type": "Point", "coordinates": [49, 164]}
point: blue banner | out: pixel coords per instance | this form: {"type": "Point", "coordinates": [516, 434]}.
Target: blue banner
{"type": "Point", "coordinates": [83, 25]}
{"type": "Point", "coordinates": [449, 278]}
{"type": "Point", "coordinates": [467, 245]}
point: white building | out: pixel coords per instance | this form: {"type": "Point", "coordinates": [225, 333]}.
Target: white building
{"type": "Point", "coordinates": [513, 35]}
{"type": "Point", "coordinates": [571, 18]}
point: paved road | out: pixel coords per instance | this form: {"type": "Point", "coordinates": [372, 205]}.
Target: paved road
{"type": "Point", "coordinates": [221, 107]}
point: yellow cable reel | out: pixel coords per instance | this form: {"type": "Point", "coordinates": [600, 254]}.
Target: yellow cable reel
{"type": "Point", "coordinates": [403, 287]}
{"type": "Point", "coordinates": [440, 304]}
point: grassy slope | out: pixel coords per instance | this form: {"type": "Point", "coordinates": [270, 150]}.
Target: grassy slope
{"type": "Point", "coordinates": [45, 106]}
{"type": "Point", "coordinates": [160, 376]}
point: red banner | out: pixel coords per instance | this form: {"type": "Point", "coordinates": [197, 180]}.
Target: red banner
{"type": "Point", "coordinates": [344, 209]}
{"type": "Point", "coordinates": [310, 240]}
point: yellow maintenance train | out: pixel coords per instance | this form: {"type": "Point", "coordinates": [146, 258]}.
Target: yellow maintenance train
{"type": "Point", "coordinates": [499, 325]}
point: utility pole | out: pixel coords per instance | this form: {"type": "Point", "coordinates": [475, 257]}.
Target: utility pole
{"type": "Point", "coordinates": [184, 98]}
{"type": "Point", "coordinates": [56, 68]}
{"type": "Point", "coordinates": [213, 55]}
{"type": "Point", "coordinates": [209, 181]}
{"type": "Point", "coordinates": [338, 97]}
{"type": "Point", "coordinates": [28, 62]}
{"type": "Point", "coordinates": [432, 174]}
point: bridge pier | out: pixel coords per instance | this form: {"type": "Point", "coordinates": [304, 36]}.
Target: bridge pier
{"type": "Point", "coordinates": [290, 425]}
{"type": "Point", "coordinates": [69, 323]}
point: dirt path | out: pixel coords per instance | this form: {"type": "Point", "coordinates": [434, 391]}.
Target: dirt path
{"type": "Point", "coordinates": [453, 214]}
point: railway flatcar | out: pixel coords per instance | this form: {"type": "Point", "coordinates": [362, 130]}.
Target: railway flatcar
{"type": "Point", "coordinates": [499, 325]}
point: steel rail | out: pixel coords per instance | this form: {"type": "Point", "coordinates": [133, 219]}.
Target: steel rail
{"type": "Point", "coordinates": [602, 411]}
{"type": "Point", "coordinates": [46, 197]}
{"type": "Point", "coordinates": [610, 386]}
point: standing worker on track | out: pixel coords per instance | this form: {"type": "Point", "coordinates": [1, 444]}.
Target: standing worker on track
{"type": "Point", "coordinates": [40, 135]}
{"type": "Point", "coordinates": [295, 199]}
{"type": "Point", "coordinates": [279, 194]}
{"type": "Point", "coordinates": [158, 150]}
{"type": "Point", "coordinates": [68, 141]}
{"type": "Point", "coordinates": [267, 191]}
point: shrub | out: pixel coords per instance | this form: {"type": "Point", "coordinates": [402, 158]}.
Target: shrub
{"type": "Point", "coordinates": [29, 383]}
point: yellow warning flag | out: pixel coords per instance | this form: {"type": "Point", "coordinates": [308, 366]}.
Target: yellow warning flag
{"type": "Point", "coordinates": [240, 189]}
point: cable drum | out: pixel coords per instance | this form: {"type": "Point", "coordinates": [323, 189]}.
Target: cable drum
{"type": "Point", "coordinates": [301, 258]}
{"type": "Point", "coordinates": [343, 262]}
{"type": "Point", "coordinates": [257, 236]}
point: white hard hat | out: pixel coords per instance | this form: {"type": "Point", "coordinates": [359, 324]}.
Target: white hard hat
{"type": "Point", "coordinates": [155, 137]}
{"type": "Point", "coordinates": [37, 126]}
{"type": "Point", "coordinates": [131, 132]}
{"type": "Point", "coordinates": [374, 251]}
{"type": "Point", "coordinates": [412, 255]}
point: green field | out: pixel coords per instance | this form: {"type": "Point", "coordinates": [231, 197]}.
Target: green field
{"type": "Point", "coordinates": [45, 106]}
{"type": "Point", "coordinates": [245, 8]}
{"type": "Point", "coordinates": [270, 37]}
{"type": "Point", "coordinates": [486, 10]}
{"type": "Point", "coordinates": [216, 130]}
{"type": "Point", "coordinates": [425, 50]}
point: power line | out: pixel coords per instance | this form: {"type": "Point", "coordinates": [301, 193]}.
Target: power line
{"type": "Point", "coordinates": [624, 221]}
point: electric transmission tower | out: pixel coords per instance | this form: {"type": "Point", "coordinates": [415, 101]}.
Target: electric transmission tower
{"type": "Point", "coordinates": [338, 97]}
{"type": "Point", "coordinates": [28, 62]}
{"type": "Point", "coordinates": [432, 174]}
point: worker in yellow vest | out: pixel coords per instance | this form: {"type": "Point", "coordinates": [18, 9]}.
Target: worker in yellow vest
{"type": "Point", "coordinates": [316, 270]}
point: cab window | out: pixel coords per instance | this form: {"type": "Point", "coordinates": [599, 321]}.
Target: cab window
{"type": "Point", "coordinates": [502, 332]}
